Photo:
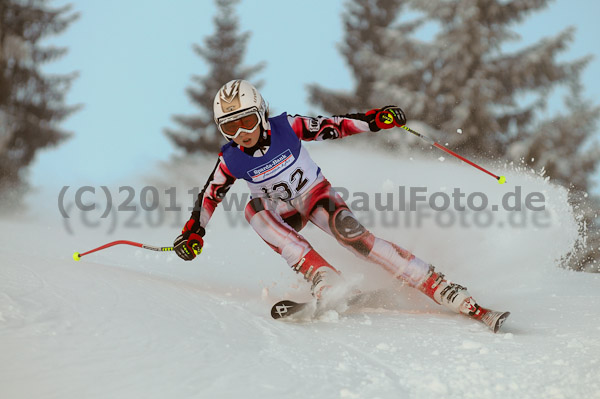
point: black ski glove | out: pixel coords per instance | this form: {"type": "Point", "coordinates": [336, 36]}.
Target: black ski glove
{"type": "Point", "coordinates": [189, 243]}
{"type": "Point", "coordinates": [386, 118]}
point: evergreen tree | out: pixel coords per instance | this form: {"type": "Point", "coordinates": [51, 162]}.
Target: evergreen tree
{"type": "Point", "coordinates": [31, 103]}
{"type": "Point", "coordinates": [563, 145]}
{"type": "Point", "coordinates": [223, 52]}
{"type": "Point", "coordinates": [365, 24]}
{"type": "Point", "coordinates": [465, 78]}
{"type": "Point", "coordinates": [460, 79]}
{"type": "Point", "coordinates": [470, 82]}
{"type": "Point", "coordinates": [374, 38]}
{"type": "Point", "coordinates": [564, 148]}
{"type": "Point", "coordinates": [585, 254]}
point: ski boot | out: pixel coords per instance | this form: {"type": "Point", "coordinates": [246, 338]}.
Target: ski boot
{"type": "Point", "coordinates": [318, 272]}
{"type": "Point", "coordinates": [457, 298]}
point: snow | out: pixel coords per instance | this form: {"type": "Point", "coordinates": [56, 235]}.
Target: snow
{"type": "Point", "coordinates": [131, 323]}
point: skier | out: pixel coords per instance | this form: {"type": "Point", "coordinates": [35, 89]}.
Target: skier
{"type": "Point", "coordinates": [288, 190]}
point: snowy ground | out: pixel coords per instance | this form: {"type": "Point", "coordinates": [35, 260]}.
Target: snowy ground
{"type": "Point", "coordinates": [130, 323]}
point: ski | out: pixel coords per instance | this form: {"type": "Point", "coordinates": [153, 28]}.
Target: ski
{"type": "Point", "coordinates": [494, 319]}
{"type": "Point", "coordinates": [287, 308]}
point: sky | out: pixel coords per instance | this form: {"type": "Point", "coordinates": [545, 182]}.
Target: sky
{"type": "Point", "coordinates": [135, 60]}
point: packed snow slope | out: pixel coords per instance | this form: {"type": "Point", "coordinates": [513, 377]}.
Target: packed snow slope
{"type": "Point", "coordinates": [131, 323]}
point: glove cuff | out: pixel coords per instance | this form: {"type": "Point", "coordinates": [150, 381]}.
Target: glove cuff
{"type": "Point", "coordinates": [371, 116]}
{"type": "Point", "coordinates": [193, 226]}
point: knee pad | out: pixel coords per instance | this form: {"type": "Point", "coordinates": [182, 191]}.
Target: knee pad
{"type": "Point", "coordinates": [346, 226]}
{"type": "Point", "coordinates": [351, 232]}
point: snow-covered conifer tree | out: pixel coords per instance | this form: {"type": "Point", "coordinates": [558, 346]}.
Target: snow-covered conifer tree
{"type": "Point", "coordinates": [223, 52]}
{"type": "Point", "coordinates": [32, 103]}
{"type": "Point", "coordinates": [365, 23]}
{"type": "Point", "coordinates": [465, 77]}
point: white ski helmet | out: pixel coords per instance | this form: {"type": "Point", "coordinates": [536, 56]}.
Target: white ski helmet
{"type": "Point", "coordinates": [238, 108]}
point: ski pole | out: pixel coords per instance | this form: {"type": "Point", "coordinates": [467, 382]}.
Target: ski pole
{"type": "Point", "coordinates": [77, 255]}
{"type": "Point", "coordinates": [501, 179]}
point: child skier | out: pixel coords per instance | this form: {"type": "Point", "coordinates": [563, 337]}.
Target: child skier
{"type": "Point", "coordinates": [288, 189]}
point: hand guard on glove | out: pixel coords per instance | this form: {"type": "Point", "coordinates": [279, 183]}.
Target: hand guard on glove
{"type": "Point", "coordinates": [386, 118]}
{"type": "Point", "coordinates": [189, 243]}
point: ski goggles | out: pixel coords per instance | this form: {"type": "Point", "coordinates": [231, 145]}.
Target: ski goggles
{"type": "Point", "coordinates": [234, 125]}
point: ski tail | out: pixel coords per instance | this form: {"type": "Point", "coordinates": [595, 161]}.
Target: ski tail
{"type": "Point", "coordinates": [287, 308]}
{"type": "Point", "coordinates": [494, 319]}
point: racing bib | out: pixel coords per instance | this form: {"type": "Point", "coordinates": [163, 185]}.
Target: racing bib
{"type": "Point", "coordinates": [284, 171]}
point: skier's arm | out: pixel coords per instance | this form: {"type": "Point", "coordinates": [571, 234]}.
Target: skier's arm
{"type": "Point", "coordinates": [339, 126]}
{"type": "Point", "coordinates": [215, 189]}
{"type": "Point", "coordinates": [217, 185]}
{"type": "Point", "coordinates": [322, 128]}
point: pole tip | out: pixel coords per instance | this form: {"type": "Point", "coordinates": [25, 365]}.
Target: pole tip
{"type": "Point", "coordinates": [76, 256]}
{"type": "Point", "coordinates": [502, 179]}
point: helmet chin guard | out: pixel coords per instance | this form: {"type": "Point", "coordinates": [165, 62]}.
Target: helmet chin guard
{"type": "Point", "coordinates": [239, 97]}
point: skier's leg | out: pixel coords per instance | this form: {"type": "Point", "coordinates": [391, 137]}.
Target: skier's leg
{"type": "Point", "coordinates": [271, 220]}
{"type": "Point", "coordinates": [457, 298]}
{"type": "Point", "coordinates": [331, 214]}
{"type": "Point", "coordinates": [453, 296]}
{"type": "Point", "coordinates": [328, 211]}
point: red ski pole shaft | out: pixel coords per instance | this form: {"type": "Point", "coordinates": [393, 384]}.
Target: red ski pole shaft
{"type": "Point", "coordinates": [77, 255]}
{"type": "Point", "coordinates": [501, 179]}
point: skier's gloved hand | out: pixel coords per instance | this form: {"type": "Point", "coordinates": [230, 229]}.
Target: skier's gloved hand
{"type": "Point", "coordinates": [386, 118]}
{"type": "Point", "coordinates": [188, 247]}
{"type": "Point", "coordinates": [189, 243]}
